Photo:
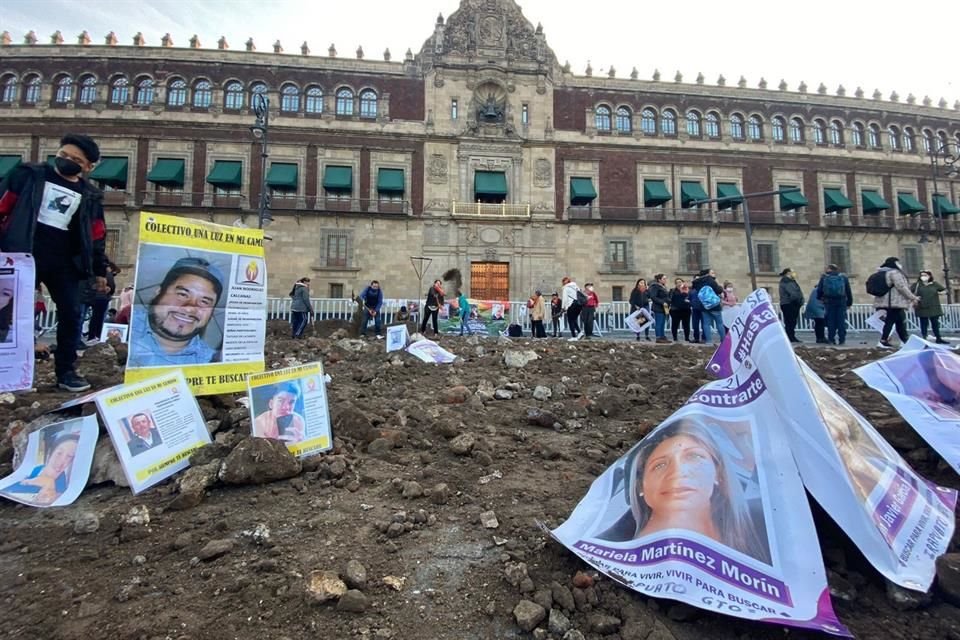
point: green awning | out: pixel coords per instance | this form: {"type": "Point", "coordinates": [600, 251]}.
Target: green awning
{"type": "Point", "coordinates": [582, 191]}
{"type": "Point", "coordinates": [111, 172]}
{"type": "Point", "coordinates": [942, 204]}
{"type": "Point", "coordinates": [690, 191]}
{"type": "Point", "coordinates": [728, 190]}
{"type": "Point", "coordinates": [655, 193]}
{"type": "Point", "coordinates": [792, 200]}
{"type": "Point", "coordinates": [338, 178]}
{"type": "Point", "coordinates": [8, 164]}
{"type": "Point", "coordinates": [390, 181]}
{"type": "Point", "coordinates": [167, 172]}
{"type": "Point", "coordinates": [282, 176]}
{"type": "Point", "coordinates": [834, 201]}
{"type": "Point", "coordinates": [226, 174]}
{"type": "Point", "coordinates": [907, 204]}
{"type": "Point", "coordinates": [873, 203]}
{"type": "Point", "coordinates": [490, 183]}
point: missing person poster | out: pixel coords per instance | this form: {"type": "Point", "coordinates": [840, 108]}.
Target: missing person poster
{"type": "Point", "coordinates": [484, 317]}
{"type": "Point", "coordinates": [922, 381]}
{"type": "Point", "coordinates": [396, 337]}
{"type": "Point", "coordinates": [639, 321]}
{"type": "Point", "coordinates": [199, 303]}
{"type": "Point", "coordinates": [56, 464]}
{"type": "Point", "coordinates": [291, 405]}
{"type": "Point", "coordinates": [695, 512]}
{"type": "Point", "coordinates": [17, 280]}
{"type": "Point", "coordinates": [155, 425]}
{"type": "Point", "coordinates": [899, 521]}
{"type": "Point", "coordinates": [114, 330]}
{"type": "Point", "coordinates": [430, 351]}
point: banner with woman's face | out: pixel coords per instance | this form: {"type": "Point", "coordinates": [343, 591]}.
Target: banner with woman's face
{"type": "Point", "coordinates": [17, 280]}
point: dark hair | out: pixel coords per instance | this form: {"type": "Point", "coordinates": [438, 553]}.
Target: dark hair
{"type": "Point", "coordinates": [59, 440]}
{"type": "Point", "coordinates": [84, 143]}
{"type": "Point", "coordinates": [374, 282]}
{"type": "Point", "coordinates": [286, 387]}
{"type": "Point", "coordinates": [703, 272]}
{"type": "Point", "coordinates": [891, 262]}
{"type": "Point", "coordinates": [658, 276]}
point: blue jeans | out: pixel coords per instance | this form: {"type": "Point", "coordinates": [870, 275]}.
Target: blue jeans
{"type": "Point", "coordinates": [365, 318]}
{"type": "Point", "coordinates": [465, 324]}
{"type": "Point", "coordinates": [660, 324]}
{"type": "Point", "coordinates": [696, 320]}
{"type": "Point", "coordinates": [712, 317]}
{"type": "Point", "coordinates": [836, 321]}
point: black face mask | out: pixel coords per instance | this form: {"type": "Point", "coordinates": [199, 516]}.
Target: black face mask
{"type": "Point", "coordinates": [67, 167]}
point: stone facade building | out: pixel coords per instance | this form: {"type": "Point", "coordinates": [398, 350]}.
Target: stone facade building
{"type": "Point", "coordinates": [483, 152]}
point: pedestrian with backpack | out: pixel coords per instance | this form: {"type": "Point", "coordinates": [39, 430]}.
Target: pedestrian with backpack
{"type": "Point", "coordinates": [929, 308]}
{"type": "Point", "coordinates": [833, 290]}
{"type": "Point", "coordinates": [708, 296]}
{"type": "Point", "coordinates": [791, 299]}
{"type": "Point", "coordinates": [572, 300]}
{"type": "Point", "coordinates": [891, 292]}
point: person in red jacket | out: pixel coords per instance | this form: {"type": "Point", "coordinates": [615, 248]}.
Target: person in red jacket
{"type": "Point", "coordinates": [590, 310]}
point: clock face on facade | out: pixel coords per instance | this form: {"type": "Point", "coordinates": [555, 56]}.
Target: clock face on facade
{"type": "Point", "coordinates": [491, 30]}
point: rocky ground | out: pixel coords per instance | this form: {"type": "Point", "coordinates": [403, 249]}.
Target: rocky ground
{"type": "Point", "coordinates": [422, 523]}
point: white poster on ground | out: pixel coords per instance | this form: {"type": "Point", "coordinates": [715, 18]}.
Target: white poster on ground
{"type": "Point", "coordinates": [155, 425]}
{"type": "Point", "coordinates": [708, 509]}
{"type": "Point", "coordinates": [639, 321]}
{"type": "Point", "coordinates": [56, 464]}
{"type": "Point", "coordinates": [17, 281]}
{"type": "Point", "coordinates": [898, 520]}
{"type": "Point", "coordinates": [396, 337]}
{"type": "Point", "coordinates": [291, 405]}
{"type": "Point", "coordinates": [430, 351]}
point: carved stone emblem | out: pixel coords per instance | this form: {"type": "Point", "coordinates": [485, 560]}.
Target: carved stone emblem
{"type": "Point", "coordinates": [437, 169]}
{"type": "Point", "coordinates": [542, 173]}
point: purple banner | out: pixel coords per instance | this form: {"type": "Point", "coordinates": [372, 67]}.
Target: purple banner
{"type": "Point", "coordinates": [895, 505]}
{"type": "Point", "coordinates": [745, 332]}
{"type": "Point", "coordinates": [696, 555]}
{"type": "Point", "coordinates": [742, 395]}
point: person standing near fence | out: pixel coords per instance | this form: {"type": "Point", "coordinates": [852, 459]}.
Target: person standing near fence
{"type": "Point", "coordinates": [929, 309]}
{"type": "Point", "coordinates": [434, 302]}
{"type": "Point", "coordinates": [300, 308]}
{"type": "Point", "coordinates": [372, 300]}
{"type": "Point", "coordinates": [680, 309]}
{"type": "Point", "coordinates": [895, 300]}
{"type": "Point", "coordinates": [816, 313]}
{"type": "Point", "coordinates": [640, 299]}
{"type": "Point", "coordinates": [537, 314]}
{"type": "Point", "coordinates": [791, 299]}
{"type": "Point", "coordinates": [590, 310]}
{"type": "Point", "coordinates": [570, 299]}
{"type": "Point", "coordinates": [833, 290]}
{"type": "Point", "coordinates": [463, 307]}
{"type": "Point", "coordinates": [556, 312]}
{"type": "Point", "coordinates": [660, 299]}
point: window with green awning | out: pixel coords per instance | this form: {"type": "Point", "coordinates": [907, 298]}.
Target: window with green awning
{"type": "Point", "coordinates": [8, 164]}
{"type": "Point", "coordinates": [336, 178]}
{"type": "Point", "coordinates": [941, 204]}
{"type": "Point", "coordinates": [167, 172]}
{"type": "Point", "coordinates": [582, 192]}
{"type": "Point", "coordinates": [655, 193]}
{"type": "Point", "coordinates": [792, 200]}
{"type": "Point", "coordinates": [690, 191]}
{"type": "Point", "coordinates": [390, 181]}
{"type": "Point", "coordinates": [282, 176]}
{"type": "Point", "coordinates": [873, 202]}
{"type": "Point", "coordinates": [111, 172]}
{"type": "Point", "coordinates": [226, 174]}
{"type": "Point", "coordinates": [728, 190]}
{"type": "Point", "coordinates": [907, 204]}
{"type": "Point", "coordinates": [834, 201]}
{"type": "Point", "coordinates": [490, 183]}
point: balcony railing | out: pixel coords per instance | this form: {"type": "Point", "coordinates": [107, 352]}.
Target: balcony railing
{"type": "Point", "coordinates": [278, 203]}
{"type": "Point", "coordinates": [481, 209]}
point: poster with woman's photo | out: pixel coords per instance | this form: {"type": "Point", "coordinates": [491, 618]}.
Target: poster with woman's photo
{"type": "Point", "coordinates": [290, 405]}
{"type": "Point", "coordinates": [899, 521]}
{"type": "Point", "coordinates": [113, 330]}
{"type": "Point", "coordinates": [199, 303]}
{"type": "Point", "coordinates": [709, 509]}
{"type": "Point", "coordinates": [17, 278]}
{"type": "Point", "coordinates": [155, 425]}
{"type": "Point", "coordinates": [56, 464]}
{"type": "Point", "coordinates": [923, 384]}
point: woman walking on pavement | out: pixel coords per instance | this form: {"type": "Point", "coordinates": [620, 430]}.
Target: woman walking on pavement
{"type": "Point", "coordinates": [929, 308]}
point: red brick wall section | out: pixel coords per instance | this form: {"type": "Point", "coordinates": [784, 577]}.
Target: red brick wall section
{"type": "Point", "coordinates": [856, 211]}
{"type": "Point", "coordinates": [757, 177]}
{"type": "Point", "coordinates": [814, 197]}
{"type": "Point", "coordinates": [363, 180]}
{"type": "Point", "coordinates": [199, 171]}
{"type": "Point", "coordinates": [310, 176]}
{"type": "Point", "coordinates": [256, 176]}
{"type": "Point", "coordinates": [138, 181]}
{"type": "Point", "coordinates": [416, 181]}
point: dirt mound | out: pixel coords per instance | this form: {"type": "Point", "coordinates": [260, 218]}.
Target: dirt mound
{"type": "Point", "coordinates": [422, 523]}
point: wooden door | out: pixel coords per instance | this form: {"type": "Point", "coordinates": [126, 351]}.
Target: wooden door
{"type": "Point", "coordinates": [490, 280]}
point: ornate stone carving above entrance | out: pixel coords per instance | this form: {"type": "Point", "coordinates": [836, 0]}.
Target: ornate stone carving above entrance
{"type": "Point", "coordinates": [542, 173]}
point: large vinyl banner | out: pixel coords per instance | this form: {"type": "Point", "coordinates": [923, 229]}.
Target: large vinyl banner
{"type": "Point", "coordinates": [899, 521]}
{"type": "Point", "coordinates": [709, 509]}
{"type": "Point", "coordinates": [487, 318]}
{"type": "Point", "coordinates": [17, 279]}
{"type": "Point", "coordinates": [922, 381]}
{"type": "Point", "coordinates": [200, 303]}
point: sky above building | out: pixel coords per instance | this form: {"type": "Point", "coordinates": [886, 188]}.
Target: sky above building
{"type": "Point", "coordinates": [876, 45]}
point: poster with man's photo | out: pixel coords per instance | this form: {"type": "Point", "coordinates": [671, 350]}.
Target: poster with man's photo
{"type": "Point", "coordinates": [484, 317]}
{"type": "Point", "coordinates": [899, 521]}
{"type": "Point", "coordinates": [55, 465]}
{"type": "Point", "coordinates": [155, 425]}
{"type": "Point", "coordinates": [17, 279]}
{"type": "Point", "coordinates": [290, 405]}
{"type": "Point", "coordinates": [709, 509]}
{"type": "Point", "coordinates": [199, 303]}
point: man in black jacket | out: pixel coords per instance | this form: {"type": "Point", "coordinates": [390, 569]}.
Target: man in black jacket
{"type": "Point", "coordinates": [57, 215]}
{"type": "Point", "coordinates": [791, 299]}
{"type": "Point", "coordinates": [711, 318]}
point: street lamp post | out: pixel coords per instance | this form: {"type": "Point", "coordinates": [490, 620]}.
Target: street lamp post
{"type": "Point", "coordinates": [260, 130]}
{"type": "Point", "coordinates": [744, 199]}
{"type": "Point", "coordinates": [940, 151]}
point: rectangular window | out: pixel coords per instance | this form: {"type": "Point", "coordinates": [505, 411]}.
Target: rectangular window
{"type": "Point", "coordinates": [839, 254]}
{"type": "Point", "coordinates": [336, 290]}
{"type": "Point", "coordinates": [954, 260]}
{"type": "Point", "coordinates": [454, 109]}
{"type": "Point", "coordinates": [112, 247]}
{"type": "Point", "coordinates": [693, 256]}
{"type": "Point", "coordinates": [766, 256]}
{"type": "Point", "coordinates": [337, 250]}
{"type": "Point", "coordinates": [525, 114]}
{"type": "Point", "coordinates": [616, 294]}
{"type": "Point", "coordinates": [618, 255]}
{"type": "Point", "coordinates": [912, 262]}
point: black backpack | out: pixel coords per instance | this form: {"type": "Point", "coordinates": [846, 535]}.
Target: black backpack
{"type": "Point", "coordinates": [515, 331]}
{"type": "Point", "coordinates": [877, 284]}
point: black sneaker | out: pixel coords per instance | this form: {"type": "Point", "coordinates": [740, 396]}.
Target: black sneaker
{"type": "Point", "coordinates": [72, 381]}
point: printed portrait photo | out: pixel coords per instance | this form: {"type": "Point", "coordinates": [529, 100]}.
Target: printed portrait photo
{"type": "Point", "coordinates": [931, 376]}
{"type": "Point", "coordinates": [278, 411]}
{"type": "Point", "coordinates": [179, 307]}
{"type": "Point", "coordinates": [8, 324]}
{"type": "Point", "coordinates": [693, 473]}
{"type": "Point", "coordinates": [141, 433]}
{"type": "Point", "coordinates": [52, 466]}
